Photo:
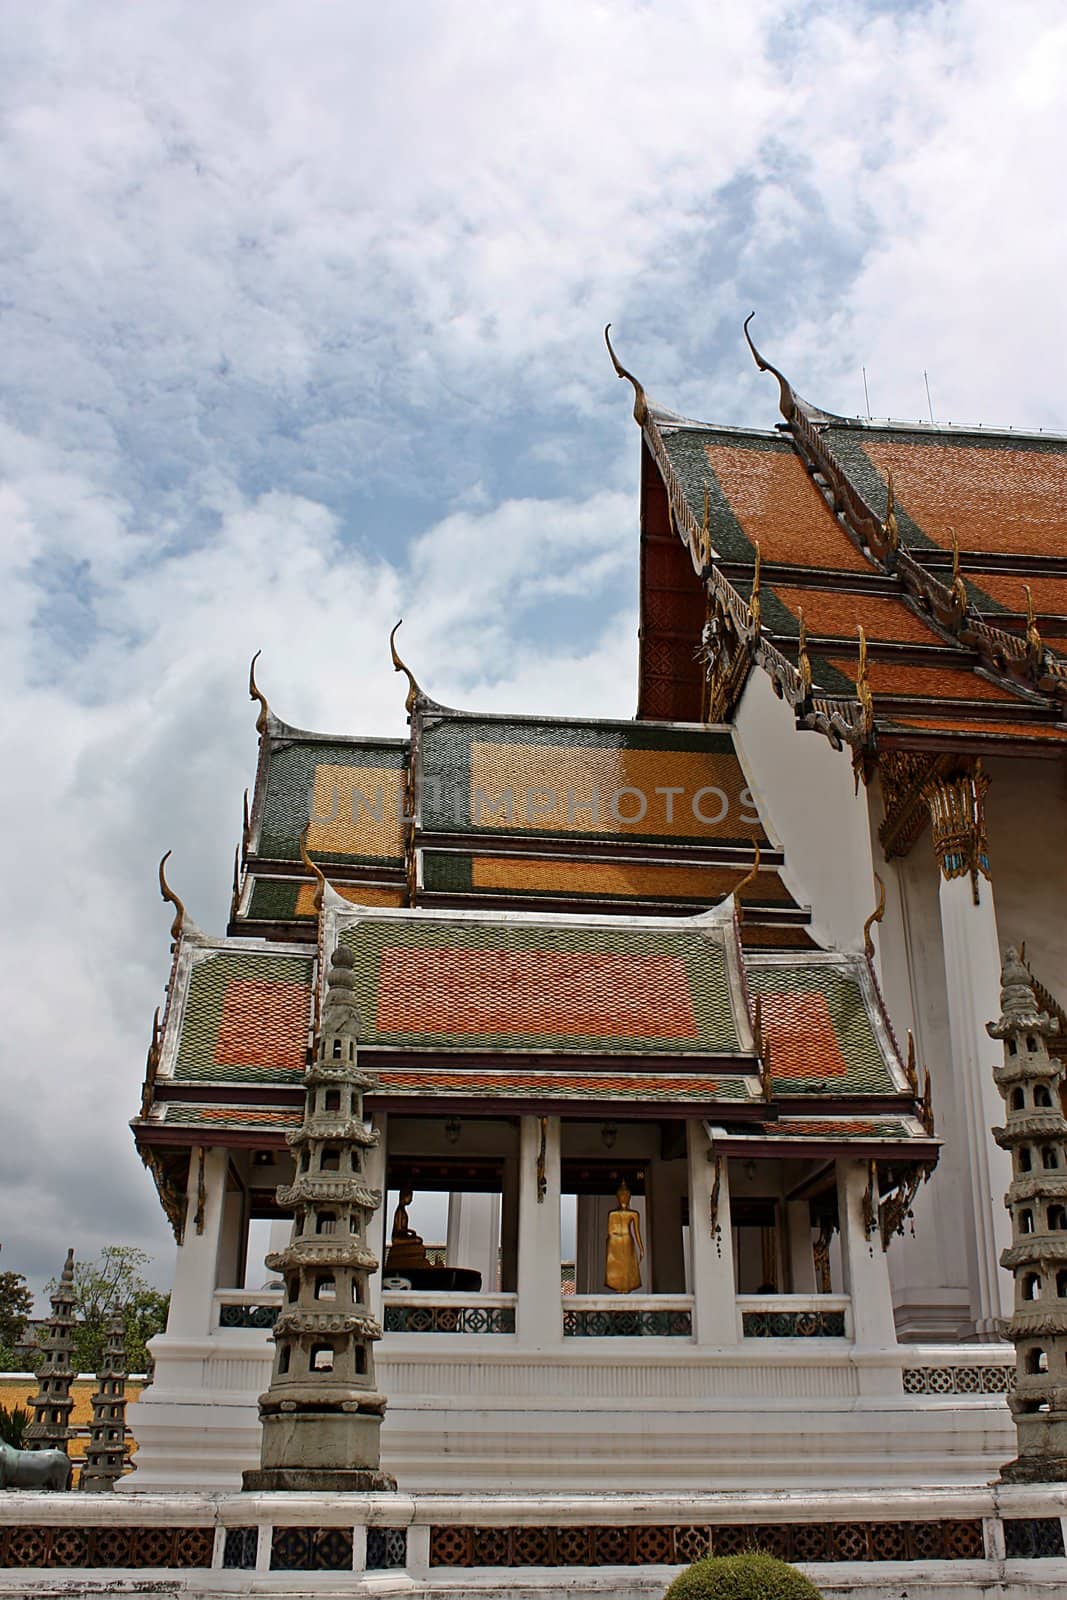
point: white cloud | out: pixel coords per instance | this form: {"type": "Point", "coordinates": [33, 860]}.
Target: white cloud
{"type": "Point", "coordinates": [302, 310]}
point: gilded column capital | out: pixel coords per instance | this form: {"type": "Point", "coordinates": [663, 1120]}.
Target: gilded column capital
{"type": "Point", "coordinates": [957, 819]}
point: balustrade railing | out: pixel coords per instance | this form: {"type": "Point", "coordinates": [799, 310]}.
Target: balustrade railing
{"type": "Point", "coordinates": [630, 1316]}
{"type": "Point", "coordinates": [246, 1308]}
{"type": "Point", "coordinates": [412, 1311]}
{"type": "Point", "coordinates": [795, 1316]}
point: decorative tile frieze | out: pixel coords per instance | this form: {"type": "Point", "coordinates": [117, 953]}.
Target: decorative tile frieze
{"type": "Point", "coordinates": [110, 1546]}
{"type": "Point", "coordinates": [450, 1319]}
{"type": "Point", "coordinates": [660, 1545]}
{"type": "Point", "coordinates": [626, 1324]}
{"type": "Point", "coordinates": [793, 1324]}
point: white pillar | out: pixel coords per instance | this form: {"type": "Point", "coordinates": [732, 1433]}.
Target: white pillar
{"type": "Point", "coordinates": [972, 979]}
{"type": "Point", "coordinates": [711, 1254]}
{"type": "Point", "coordinates": [539, 1319]}
{"type": "Point", "coordinates": [374, 1169]}
{"type": "Point", "coordinates": [863, 1261]}
{"type": "Point", "coordinates": [801, 1255]}
{"type": "Point", "coordinates": [196, 1270]}
{"type": "Point", "coordinates": [473, 1238]}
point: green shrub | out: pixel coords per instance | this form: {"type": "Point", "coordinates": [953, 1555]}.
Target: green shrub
{"type": "Point", "coordinates": [752, 1577]}
{"type": "Point", "coordinates": [13, 1425]}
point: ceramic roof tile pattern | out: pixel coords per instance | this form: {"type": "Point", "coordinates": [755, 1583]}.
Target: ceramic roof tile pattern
{"type": "Point", "coordinates": [837, 1128]}
{"type": "Point", "coordinates": [758, 490]}
{"type": "Point", "coordinates": [1000, 495]}
{"type": "Point", "coordinates": [1004, 730]}
{"type": "Point", "coordinates": [246, 1017]}
{"type": "Point", "coordinates": [585, 781]}
{"type": "Point", "coordinates": [350, 794]}
{"type": "Point", "coordinates": [438, 983]}
{"type": "Point", "coordinates": [1006, 589]}
{"type": "Point", "coordinates": [665, 1087]}
{"type": "Point", "coordinates": [835, 613]}
{"type": "Point", "coordinates": [937, 683]}
{"type": "Point", "coordinates": [816, 1018]}
{"type": "Point", "coordinates": [619, 880]}
{"type": "Point", "coordinates": [190, 1113]}
{"type": "Point", "coordinates": [289, 900]}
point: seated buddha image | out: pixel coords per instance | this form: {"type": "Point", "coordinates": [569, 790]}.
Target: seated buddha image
{"type": "Point", "coordinates": [406, 1248]}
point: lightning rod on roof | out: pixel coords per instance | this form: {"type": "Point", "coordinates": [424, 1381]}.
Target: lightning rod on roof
{"type": "Point", "coordinates": [866, 396]}
{"type": "Point", "coordinates": [929, 402]}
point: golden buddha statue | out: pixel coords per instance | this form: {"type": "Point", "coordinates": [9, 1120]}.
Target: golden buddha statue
{"type": "Point", "coordinates": [406, 1248]}
{"type": "Point", "coordinates": [622, 1265]}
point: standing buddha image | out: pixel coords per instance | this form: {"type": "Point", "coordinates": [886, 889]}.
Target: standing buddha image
{"type": "Point", "coordinates": [622, 1265]}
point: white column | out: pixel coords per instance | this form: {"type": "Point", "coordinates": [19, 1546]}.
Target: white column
{"type": "Point", "coordinates": [711, 1276]}
{"type": "Point", "coordinates": [539, 1313]}
{"type": "Point", "coordinates": [863, 1261]}
{"type": "Point", "coordinates": [374, 1168]}
{"type": "Point", "coordinates": [473, 1238]}
{"type": "Point", "coordinates": [196, 1270]}
{"type": "Point", "coordinates": [972, 976]}
{"type": "Point", "coordinates": [972, 981]}
{"type": "Point", "coordinates": [801, 1255]}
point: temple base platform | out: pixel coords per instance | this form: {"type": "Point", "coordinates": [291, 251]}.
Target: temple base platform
{"type": "Point", "coordinates": [983, 1542]}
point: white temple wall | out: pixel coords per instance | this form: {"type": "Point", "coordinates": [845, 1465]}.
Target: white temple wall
{"type": "Point", "coordinates": [805, 793]}
{"type": "Point", "coordinates": [1026, 818]}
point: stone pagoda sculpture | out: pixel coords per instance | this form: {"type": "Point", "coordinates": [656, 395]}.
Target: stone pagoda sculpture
{"type": "Point", "coordinates": [52, 1404]}
{"type": "Point", "coordinates": [105, 1457]}
{"type": "Point", "coordinates": [322, 1413]}
{"type": "Point", "coordinates": [1031, 1082]}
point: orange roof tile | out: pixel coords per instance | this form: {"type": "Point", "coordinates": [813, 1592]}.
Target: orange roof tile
{"type": "Point", "coordinates": [835, 614]}
{"type": "Point", "coordinates": [907, 677]}
{"type": "Point", "coordinates": [543, 1084]}
{"type": "Point", "coordinates": [996, 498]}
{"type": "Point", "coordinates": [1008, 730]}
{"type": "Point", "coordinates": [623, 878]}
{"type": "Point", "coordinates": [800, 1030]}
{"type": "Point", "coordinates": [552, 992]}
{"type": "Point", "coordinates": [263, 1022]}
{"type": "Point", "coordinates": [1050, 594]}
{"type": "Point", "coordinates": [775, 501]}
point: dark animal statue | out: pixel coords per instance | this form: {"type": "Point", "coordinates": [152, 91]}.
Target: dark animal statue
{"type": "Point", "coordinates": [33, 1469]}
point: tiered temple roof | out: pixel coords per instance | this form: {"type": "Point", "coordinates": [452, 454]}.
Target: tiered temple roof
{"type": "Point", "coordinates": [944, 545]}
{"type": "Point", "coordinates": [525, 941]}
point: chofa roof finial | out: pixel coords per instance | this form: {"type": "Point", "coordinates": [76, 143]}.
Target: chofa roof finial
{"type": "Point", "coordinates": [256, 693]}
{"type": "Point", "coordinates": [786, 397]}
{"type": "Point", "coordinates": [168, 894]}
{"type": "Point", "coordinates": [315, 870]}
{"type": "Point", "coordinates": [401, 666]}
{"type": "Point", "coordinates": [1035, 645]}
{"type": "Point", "coordinates": [876, 916]}
{"type": "Point", "coordinates": [749, 877]}
{"type": "Point", "coordinates": [640, 400]}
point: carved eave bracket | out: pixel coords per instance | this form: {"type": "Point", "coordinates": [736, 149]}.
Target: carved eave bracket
{"type": "Point", "coordinates": [169, 1188]}
{"type": "Point", "coordinates": [904, 775]}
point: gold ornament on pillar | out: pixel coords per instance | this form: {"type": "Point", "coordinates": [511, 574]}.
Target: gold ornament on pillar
{"type": "Point", "coordinates": [622, 1264]}
{"type": "Point", "coordinates": [957, 817]}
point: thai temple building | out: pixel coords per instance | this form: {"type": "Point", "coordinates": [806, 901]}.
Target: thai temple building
{"type": "Point", "coordinates": [709, 987]}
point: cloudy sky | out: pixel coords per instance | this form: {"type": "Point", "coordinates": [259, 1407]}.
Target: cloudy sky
{"type": "Point", "coordinates": [302, 310]}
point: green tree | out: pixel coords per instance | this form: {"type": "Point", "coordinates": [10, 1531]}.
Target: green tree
{"type": "Point", "coordinates": [115, 1281]}
{"type": "Point", "coordinates": [16, 1305]}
